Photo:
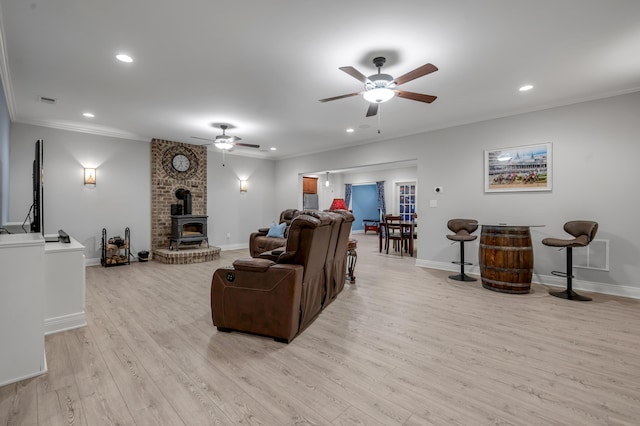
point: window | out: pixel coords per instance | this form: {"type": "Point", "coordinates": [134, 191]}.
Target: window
{"type": "Point", "coordinates": [406, 199]}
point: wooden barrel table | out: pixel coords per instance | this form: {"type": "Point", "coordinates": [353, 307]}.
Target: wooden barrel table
{"type": "Point", "coordinates": [506, 258]}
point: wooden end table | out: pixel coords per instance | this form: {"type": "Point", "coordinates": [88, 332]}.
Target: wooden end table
{"type": "Point", "coordinates": [352, 258]}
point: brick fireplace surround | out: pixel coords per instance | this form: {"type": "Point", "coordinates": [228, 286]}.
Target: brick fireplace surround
{"type": "Point", "coordinates": [164, 183]}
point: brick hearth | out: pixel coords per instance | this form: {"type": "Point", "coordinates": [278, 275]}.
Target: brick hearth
{"type": "Point", "coordinates": [186, 255]}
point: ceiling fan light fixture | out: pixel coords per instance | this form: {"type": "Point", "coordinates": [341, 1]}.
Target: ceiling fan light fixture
{"type": "Point", "coordinates": [379, 88]}
{"type": "Point", "coordinates": [224, 144]}
{"type": "Point", "coordinates": [379, 95]}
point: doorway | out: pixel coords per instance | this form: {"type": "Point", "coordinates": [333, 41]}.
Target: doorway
{"type": "Point", "coordinates": [364, 204]}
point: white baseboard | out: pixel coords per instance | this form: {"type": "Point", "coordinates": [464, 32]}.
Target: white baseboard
{"type": "Point", "coordinates": [92, 262]}
{"type": "Point", "coordinates": [234, 246]}
{"type": "Point", "coordinates": [30, 375]}
{"type": "Point", "coordinates": [64, 323]}
{"type": "Point", "coordinates": [552, 280]}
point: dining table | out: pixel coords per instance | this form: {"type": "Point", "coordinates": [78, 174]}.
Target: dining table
{"type": "Point", "coordinates": [405, 227]}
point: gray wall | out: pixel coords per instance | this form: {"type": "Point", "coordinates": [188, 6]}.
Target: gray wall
{"type": "Point", "coordinates": [236, 213]}
{"type": "Point", "coordinates": [122, 196]}
{"type": "Point", "coordinates": [5, 136]}
{"type": "Point", "coordinates": [595, 155]}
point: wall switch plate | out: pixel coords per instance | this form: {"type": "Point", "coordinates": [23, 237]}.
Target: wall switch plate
{"type": "Point", "coordinates": [433, 203]}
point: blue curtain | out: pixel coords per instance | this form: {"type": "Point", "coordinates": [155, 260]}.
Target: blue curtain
{"type": "Point", "coordinates": [381, 202]}
{"type": "Point", "coordinates": [347, 194]}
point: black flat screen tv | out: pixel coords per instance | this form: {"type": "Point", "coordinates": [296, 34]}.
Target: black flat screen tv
{"type": "Point", "coordinates": [37, 220]}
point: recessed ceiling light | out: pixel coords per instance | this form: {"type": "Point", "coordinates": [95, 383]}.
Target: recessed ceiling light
{"type": "Point", "coordinates": [273, 148]}
{"type": "Point", "coordinates": [526, 87]}
{"type": "Point", "coordinates": [88, 115]}
{"type": "Point", "coordinates": [124, 58]}
{"type": "Point", "coordinates": [350, 130]}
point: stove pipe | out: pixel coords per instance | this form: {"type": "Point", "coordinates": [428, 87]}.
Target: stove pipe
{"type": "Point", "coordinates": [185, 196]}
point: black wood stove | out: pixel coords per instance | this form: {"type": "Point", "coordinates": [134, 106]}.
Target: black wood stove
{"type": "Point", "coordinates": [188, 229]}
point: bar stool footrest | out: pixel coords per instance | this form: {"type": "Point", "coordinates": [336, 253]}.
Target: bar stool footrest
{"type": "Point", "coordinates": [561, 274]}
{"type": "Point", "coordinates": [457, 262]}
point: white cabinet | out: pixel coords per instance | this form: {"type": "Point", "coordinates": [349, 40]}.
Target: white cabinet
{"type": "Point", "coordinates": [42, 291]}
{"type": "Point", "coordinates": [64, 286]}
{"type": "Point", "coordinates": [21, 307]}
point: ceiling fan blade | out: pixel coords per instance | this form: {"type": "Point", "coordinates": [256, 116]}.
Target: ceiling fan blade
{"type": "Point", "coordinates": [202, 139]}
{"type": "Point", "coordinates": [416, 96]}
{"type": "Point", "coordinates": [373, 109]}
{"type": "Point", "coordinates": [247, 145]}
{"type": "Point", "coordinates": [335, 98]}
{"type": "Point", "coordinates": [418, 72]}
{"type": "Point", "coordinates": [354, 73]}
{"type": "Point", "coordinates": [235, 138]}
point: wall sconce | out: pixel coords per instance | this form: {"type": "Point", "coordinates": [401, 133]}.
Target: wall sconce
{"type": "Point", "coordinates": [244, 185]}
{"type": "Point", "coordinates": [89, 176]}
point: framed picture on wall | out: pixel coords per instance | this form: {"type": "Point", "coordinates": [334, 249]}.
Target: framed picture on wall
{"type": "Point", "coordinates": [520, 168]}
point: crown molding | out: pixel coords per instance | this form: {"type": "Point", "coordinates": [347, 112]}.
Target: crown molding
{"type": "Point", "coordinates": [85, 129]}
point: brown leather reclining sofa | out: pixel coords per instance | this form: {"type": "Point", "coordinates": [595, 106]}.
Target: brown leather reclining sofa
{"type": "Point", "coordinates": [260, 243]}
{"type": "Point", "coordinates": [281, 293]}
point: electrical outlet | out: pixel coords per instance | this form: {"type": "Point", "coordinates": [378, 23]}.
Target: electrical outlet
{"type": "Point", "coordinates": [228, 236]}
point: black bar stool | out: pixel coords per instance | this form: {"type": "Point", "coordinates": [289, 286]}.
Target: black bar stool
{"type": "Point", "coordinates": [584, 231]}
{"type": "Point", "coordinates": [463, 229]}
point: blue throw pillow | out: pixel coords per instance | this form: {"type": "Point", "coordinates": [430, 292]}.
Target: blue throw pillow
{"type": "Point", "coordinates": [277, 231]}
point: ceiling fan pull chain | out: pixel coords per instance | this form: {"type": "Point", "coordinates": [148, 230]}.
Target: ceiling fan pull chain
{"type": "Point", "coordinates": [379, 117]}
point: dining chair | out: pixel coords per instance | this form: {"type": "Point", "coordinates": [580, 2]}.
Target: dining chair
{"type": "Point", "coordinates": [394, 230]}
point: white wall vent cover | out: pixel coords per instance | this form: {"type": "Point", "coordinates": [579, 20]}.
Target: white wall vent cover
{"type": "Point", "coordinates": [593, 256]}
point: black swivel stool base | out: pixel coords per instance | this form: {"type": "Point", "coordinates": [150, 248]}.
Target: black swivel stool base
{"type": "Point", "coordinates": [565, 294]}
{"type": "Point", "coordinates": [463, 229]}
{"type": "Point", "coordinates": [584, 232]}
{"type": "Point", "coordinates": [462, 276]}
{"type": "Point", "coordinates": [568, 294]}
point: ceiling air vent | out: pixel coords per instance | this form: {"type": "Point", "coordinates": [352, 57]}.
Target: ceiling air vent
{"type": "Point", "coordinates": [50, 101]}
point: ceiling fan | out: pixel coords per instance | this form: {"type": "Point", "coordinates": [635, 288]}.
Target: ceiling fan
{"type": "Point", "coordinates": [379, 88]}
{"type": "Point", "coordinates": [227, 143]}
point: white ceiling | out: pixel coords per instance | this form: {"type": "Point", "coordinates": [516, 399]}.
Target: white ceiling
{"type": "Point", "coordinates": [262, 65]}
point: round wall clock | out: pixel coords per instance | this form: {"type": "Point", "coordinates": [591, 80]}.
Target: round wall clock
{"type": "Point", "coordinates": [179, 162]}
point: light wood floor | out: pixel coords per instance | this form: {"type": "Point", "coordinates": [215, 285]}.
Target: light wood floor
{"type": "Point", "coordinates": [404, 346]}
